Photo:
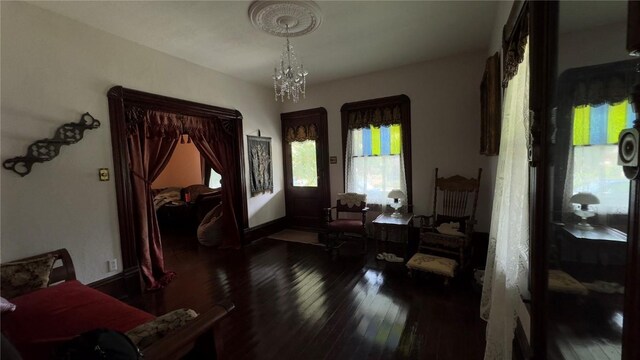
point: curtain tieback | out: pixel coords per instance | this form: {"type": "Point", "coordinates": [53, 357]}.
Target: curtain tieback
{"type": "Point", "coordinates": [136, 174]}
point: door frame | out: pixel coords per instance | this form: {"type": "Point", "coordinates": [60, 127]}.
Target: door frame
{"type": "Point", "coordinates": [322, 160]}
{"type": "Point", "coordinates": [119, 99]}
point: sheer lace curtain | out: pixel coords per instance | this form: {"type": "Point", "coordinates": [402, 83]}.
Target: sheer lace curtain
{"type": "Point", "coordinates": [507, 261]}
{"type": "Point", "coordinates": [375, 176]}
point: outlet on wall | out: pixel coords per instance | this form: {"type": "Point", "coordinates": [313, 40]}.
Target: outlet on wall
{"type": "Point", "coordinates": [113, 265]}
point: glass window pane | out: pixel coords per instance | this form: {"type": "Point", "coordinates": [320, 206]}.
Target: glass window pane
{"type": "Point", "coordinates": [596, 171]}
{"type": "Point", "coordinates": [303, 163]}
{"type": "Point", "coordinates": [215, 180]}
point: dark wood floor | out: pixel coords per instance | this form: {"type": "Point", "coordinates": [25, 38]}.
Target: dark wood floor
{"type": "Point", "coordinates": [585, 327]}
{"type": "Point", "coordinates": [293, 302]}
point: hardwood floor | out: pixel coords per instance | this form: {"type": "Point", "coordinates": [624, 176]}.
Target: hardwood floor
{"type": "Point", "coordinates": [293, 302]}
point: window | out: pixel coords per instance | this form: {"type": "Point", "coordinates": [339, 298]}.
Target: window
{"type": "Point", "coordinates": [303, 163]}
{"type": "Point", "coordinates": [376, 162]}
{"type": "Point", "coordinates": [377, 148]}
{"type": "Point", "coordinates": [215, 179]}
{"type": "Point", "coordinates": [595, 154]}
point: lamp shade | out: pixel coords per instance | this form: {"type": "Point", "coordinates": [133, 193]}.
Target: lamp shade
{"type": "Point", "coordinates": [584, 198]}
{"type": "Point", "coordinates": [396, 194]}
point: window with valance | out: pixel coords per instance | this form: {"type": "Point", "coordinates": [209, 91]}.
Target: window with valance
{"type": "Point", "coordinates": [376, 136]}
{"type": "Point", "coordinates": [596, 100]}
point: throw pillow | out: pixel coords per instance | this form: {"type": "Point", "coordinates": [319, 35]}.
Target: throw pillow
{"type": "Point", "coordinates": [148, 333]}
{"type": "Point", "coordinates": [20, 277]}
{"type": "Point", "coordinates": [462, 220]}
{"type": "Point", "coordinates": [5, 305]}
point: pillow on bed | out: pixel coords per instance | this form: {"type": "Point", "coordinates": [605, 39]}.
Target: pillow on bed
{"type": "Point", "coordinates": [21, 277]}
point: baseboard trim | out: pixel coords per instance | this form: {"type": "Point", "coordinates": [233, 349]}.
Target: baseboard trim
{"type": "Point", "coordinates": [120, 286]}
{"type": "Point", "coordinates": [262, 230]}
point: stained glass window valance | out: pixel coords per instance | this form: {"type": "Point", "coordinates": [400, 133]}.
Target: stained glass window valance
{"type": "Point", "coordinates": [377, 141]}
{"type": "Point", "coordinates": [601, 124]}
{"type": "Point", "coordinates": [377, 116]}
{"type": "Point", "coordinates": [301, 133]}
{"type": "Point", "coordinates": [599, 84]}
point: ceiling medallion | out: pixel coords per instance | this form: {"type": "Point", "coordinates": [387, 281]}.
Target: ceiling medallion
{"type": "Point", "coordinates": [272, 17]}
{"type": "Point", "coordinates": [287, 19]}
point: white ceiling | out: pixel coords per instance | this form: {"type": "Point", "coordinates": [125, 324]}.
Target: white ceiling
{"type": "Point", "coordinates": [354, 38]}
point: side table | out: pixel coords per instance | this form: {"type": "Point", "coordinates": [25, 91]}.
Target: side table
{"type": "Point", "coordinates": [388, 223]}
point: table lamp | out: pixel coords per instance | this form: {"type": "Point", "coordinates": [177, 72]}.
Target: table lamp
{"type": "Point", "coordinates": [396, 195]}
{"type": "Point", "coordinates": [584, 199]}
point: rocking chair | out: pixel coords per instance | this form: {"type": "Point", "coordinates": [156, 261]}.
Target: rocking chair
{"type": "Point", "coordinates": [446, 235]}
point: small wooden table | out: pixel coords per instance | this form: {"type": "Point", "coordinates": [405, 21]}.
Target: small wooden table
{"type": "Point", "coordinates": [583, 246]}
{"type": "Point", "coordinates": [387, 223]}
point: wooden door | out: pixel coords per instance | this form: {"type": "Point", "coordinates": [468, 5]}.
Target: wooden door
{"type": "Point", "coordinates": [306, 167]}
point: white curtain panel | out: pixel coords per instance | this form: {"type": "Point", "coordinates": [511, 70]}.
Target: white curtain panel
{"type": "Point", "coordinates": [507, 259]}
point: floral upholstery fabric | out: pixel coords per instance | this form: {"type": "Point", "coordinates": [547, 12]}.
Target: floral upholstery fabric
{"type": "Point", "coordinates": [352, 199]}
{"type": "Point", "coordinates": [6, 305]}
{"type": "Point", "coordinates": [433, 264]}
{"type": "Point", "coordinates": [560, 281]}
{"type": "Point", "coordinates": [21, 277]}
{"type": "Point", "coordinates": [148, 333]}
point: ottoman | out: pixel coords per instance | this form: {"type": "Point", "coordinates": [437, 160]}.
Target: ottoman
{"type": "Point", "coordinates": [433, 264]}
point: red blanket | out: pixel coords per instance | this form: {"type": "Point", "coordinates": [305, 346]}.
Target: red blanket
{"type": "Point", "coordinates": [45, 318]}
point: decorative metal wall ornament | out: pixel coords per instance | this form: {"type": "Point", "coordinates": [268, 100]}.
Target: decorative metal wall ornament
{"type": "Point", "coordinates": [47, 149]}
{"type": "Point", "coordinates": [260, 167]}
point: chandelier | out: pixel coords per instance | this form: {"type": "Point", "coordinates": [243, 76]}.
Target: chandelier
{"type": "Point", "coordinates": [287, 18]}
{"type": "Point", "coordinates": [291, 78]}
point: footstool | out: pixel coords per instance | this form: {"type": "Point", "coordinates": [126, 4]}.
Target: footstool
{"type": "Point", "coordinates": [561, 282]}
{"type": "Point", "coordinates": [433, 264]}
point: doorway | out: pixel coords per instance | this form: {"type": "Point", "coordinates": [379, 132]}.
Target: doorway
{"type": "Point", "coordinates": [127, 109]}
{"type": "Point", "coordinates": [306, 167]}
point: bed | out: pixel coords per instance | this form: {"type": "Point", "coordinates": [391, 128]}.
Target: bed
{"type": "Point", "coordinates": [47, 317]}
{"type": "Point", "coordinates": [180, 207]}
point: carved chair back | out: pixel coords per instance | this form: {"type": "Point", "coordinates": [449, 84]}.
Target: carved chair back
{"type": "Point", "coordinates": [350, 203]}
{"type": "Point", "coordinates": [456, 196]}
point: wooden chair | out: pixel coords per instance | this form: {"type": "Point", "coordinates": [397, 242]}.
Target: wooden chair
{"type": "Point", "coordinates": [454, 201]}
{"type": "Point", "coordinates": [348, 203]}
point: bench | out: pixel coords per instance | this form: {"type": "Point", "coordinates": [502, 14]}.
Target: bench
{"type": "Point", "coordinates": [49, 316]}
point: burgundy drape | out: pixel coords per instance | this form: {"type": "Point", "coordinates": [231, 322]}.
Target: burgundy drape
{"type": "Point", "coordinates": [148, 156]}
{"type": "Point", "coordinates": [152, 138]}
{"type": "Point", "coordinates": [216, 146]}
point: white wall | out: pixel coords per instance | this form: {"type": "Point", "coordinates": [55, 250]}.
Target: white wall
{"type": "Point", "coordinates": [445, 127]}
{"type": "Point", "coordinates": [183, 169]}
{"type": "Point", "coordinates": [53, 69]}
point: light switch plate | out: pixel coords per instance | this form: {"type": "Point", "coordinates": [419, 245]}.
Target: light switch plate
{"type": "Point", "coordinates": [104, 174]}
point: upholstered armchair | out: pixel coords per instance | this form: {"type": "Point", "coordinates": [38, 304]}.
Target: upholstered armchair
{"type": "Point", "coordinates": [343, 223]}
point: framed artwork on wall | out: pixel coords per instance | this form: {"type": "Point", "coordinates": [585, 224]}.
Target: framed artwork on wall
{"type": "Point", "coordinates": [491, 107]}
{"type": "Point", "coordinates": [260, 167]}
